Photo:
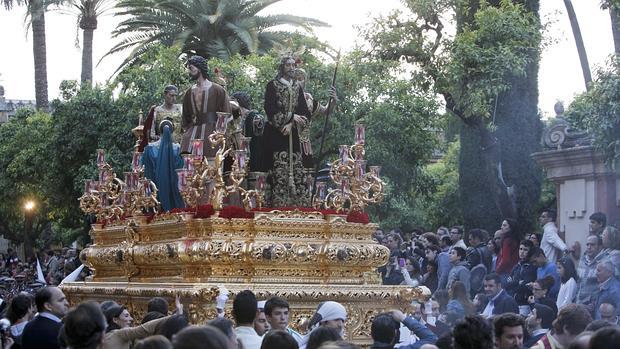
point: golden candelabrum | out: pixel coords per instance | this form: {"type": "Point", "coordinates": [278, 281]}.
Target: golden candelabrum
{"type": "Point", "coordinates": [356, 188]}
{"type": "Point", "coordinates": [110, 198]}
{"type": "Point", "coordinates": [202, 179]}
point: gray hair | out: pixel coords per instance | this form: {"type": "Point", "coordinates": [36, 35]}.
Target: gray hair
{"type": "Point", "coordinates": [608, 265]}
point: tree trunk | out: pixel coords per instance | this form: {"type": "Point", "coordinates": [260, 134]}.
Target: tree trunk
{"type": "Point", "coordinates": [497, 177]}
{"type": "Point", "coordinates": [87, 57]}
{"type": "Point", "coordinates": [615, 30]}
{"type": "Point", "coordinates": [581, 50]}
{"type": "Point", "coordinates": [40, 58]}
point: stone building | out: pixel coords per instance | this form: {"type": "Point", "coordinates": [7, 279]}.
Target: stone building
{"type": "Point", "coordinates": [8, 107]}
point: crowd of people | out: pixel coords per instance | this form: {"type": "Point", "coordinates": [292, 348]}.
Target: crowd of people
{"type": "Point", "coordinates": [504, 291]}
{"type": "Point", "coordinates": [530, 280]}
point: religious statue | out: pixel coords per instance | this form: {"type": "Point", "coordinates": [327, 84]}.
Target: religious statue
{"type": "Point", "coordinates": [253, 127]}
{"type": "Point", "coordinates": [200, 105]}
{"type": "Point", "coordinates": [287, 117]}
{"type": "Point", "coordinates": [161, 159]}
{"type": "Point", "coordinates": [168, 110]}
{"type": "Point", "coordinates": [316, 109]}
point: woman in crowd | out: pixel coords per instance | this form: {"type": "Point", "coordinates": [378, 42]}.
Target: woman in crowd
{"type": "Point", "coordinates": [430, 278]}
{"type": "Point", "coordinates": [569, 279]}
{"type": "Point", "coordinates": [611, 242]}
{"type": "Point", "coordinates": [480, 302]}
{"type": "Point", "coordinates": [540, 288]}
{"type": "Point", "coordinates": [20, 311]}
{"type": "Point", "coordinates": [411, 272]}
{"type": "Point", "coordinates": [121, 335]}
{"type": "Point", "coordinates": [459, 301]}
{"type": "Point", "coordinates": [509, 255]}
{"type": "Point", "coordinates": [535, 239]}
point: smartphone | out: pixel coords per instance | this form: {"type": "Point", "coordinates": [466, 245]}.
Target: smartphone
{"type": "Point", "coordinates": [401, 262]}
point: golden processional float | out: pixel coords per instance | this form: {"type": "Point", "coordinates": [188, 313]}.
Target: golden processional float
{"type": "Point", "coordinates": [305, 255]}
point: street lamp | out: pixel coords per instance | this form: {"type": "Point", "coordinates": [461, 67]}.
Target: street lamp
{"type": "Point", "coordinates": [29, 207]}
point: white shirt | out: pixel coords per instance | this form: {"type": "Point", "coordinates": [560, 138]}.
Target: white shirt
{"type": "Point", "coordinates": [248, 337]}
{"type": "Point", "coordinates": [50, 316]}
{"type": "Point", "coordinates": [488, 310]}
{"type": "Point", "coordinates": [551, 242]}
{"type": "Point", "coordinates": [567, 293]}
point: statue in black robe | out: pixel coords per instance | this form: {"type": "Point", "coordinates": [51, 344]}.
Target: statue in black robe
{"type": "Point", "coordinates": [287, 117]}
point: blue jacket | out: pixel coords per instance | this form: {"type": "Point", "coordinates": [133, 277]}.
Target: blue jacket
{"type": "Point", "coordinates": [425, 336]}
{"type": "Point", "coordinates": [610, 290]}
{"type": "Point", "coordinates": [505, 304]}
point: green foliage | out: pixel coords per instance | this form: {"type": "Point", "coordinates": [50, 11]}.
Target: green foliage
{"type": "Point", "coordinates": [598, 111]}
{"type": "Point", "coordinates": [500, 43]}
{"type": "Point", "coordinates": [442, 206]}
{"type": "Point", "coordinates": [209, 28]}
{"type": "Point", "coordinates": [25, 153]}
{"type": "Point", "coordinates": [486, 73]}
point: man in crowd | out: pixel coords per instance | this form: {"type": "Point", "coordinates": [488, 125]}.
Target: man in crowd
{"type": "Point", "coordinates": [478, 253]}
{"type": "Point", "coordinates": [456, 236]}
{"type": "Point", "coordinates": [598, 221]}
{"type": "Point", "coordinates": [551, 242]}
{"type": "Point", "coordinates": [499, 301]}
{"type": "Point", "coordinates": [522, 274]}
{"type": "Point", "coordinates": [509, 331]}
{"type": "Point", "coordinates": [546, 268]}
{"type": "Point", "coordinates": [430, 319]}
{"type": "Point", "coordinates": [472, 332]}
{"type": "Point", "coordinates": [42, 331]}
{"type": "Point", "coordinates": [538, 323]}
{"type": "Point", "coordinates": [261, 325]}
{"type": "Point", "coordinates": [571, 321]}
{"type": "Point", "coordinates": [385, 331]}
{"type": "Point", "coordinates": [459, 271]}
{"type": "Point", "coordinates": [608, 286]}
{"type": "Point", "coordinates": [586, 270]}
{"type": "Point", "coordinates": [244, 312]}
{"type": "Point", "coordinates": [608, 312]}
{"type": "Point", "coordinates": [277, 314]}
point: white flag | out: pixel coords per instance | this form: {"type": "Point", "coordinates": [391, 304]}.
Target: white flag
{"type": "Point", "coordinates": [40, 276]}
{"type": "Point", "coordinates": [74, 275]}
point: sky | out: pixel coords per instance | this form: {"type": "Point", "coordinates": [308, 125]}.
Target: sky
{"type": "Point", "coordinates": [560, 76]}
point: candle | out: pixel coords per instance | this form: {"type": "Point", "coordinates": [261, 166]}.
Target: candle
{"type": "Point", "coordinates": [103, 176]}
{"type": "Point", "coordinates": [360, 134]}
{"type": "Point", "coordinates": [344, 153]}
{"type": "Point", "coordinates": [320, 190]}
{"type": "Point", "coordinates": [344, 185]}
{"type": "Point", "coordinates": [240, 159]}
{"type": "Point", "coordinates": [197, 149]}
{"type": "Point", "coordinates": [122, 199]}
{"type": "Point", "coordinates": [260, 181]}
{"type": "Point", "coordinates": [182, 179]}
{"type": "Point", "coordinates": [146, 188]}
{"type": "Point", "coordinates": [88, 186]}
{"type": "Point", "coordinates": [360, 169]}
{"type": "Point", "coordinates": [245, 143]}
{"type": "Point", "coordinates": [375, 170]}
{"type": "Point", "coordinates": [221, 123]}
{"type": "Point", "coordinates": [100, 157]}
{"type": "Point", "coordinates": [309, 182]}
{"type": "Point", "coordinates": [135, 161]}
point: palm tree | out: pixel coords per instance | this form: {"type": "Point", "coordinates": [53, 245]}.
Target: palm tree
{"type": "Point", "coordinates": [210, 28]}
{"type": "Point", "coordinates": [581, 49]}
{"type": "Point", "coordinates": [88, 12]}
{"type": "Point", "coordinates": [35, 18]}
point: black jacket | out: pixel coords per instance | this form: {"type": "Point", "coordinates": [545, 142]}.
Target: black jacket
{"type": "Point", "coordinates": [41, 333]}
{"type": "Point", "coordinates": [505, 304]}
{"type": "Point", "coordinates": [516, 284]}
